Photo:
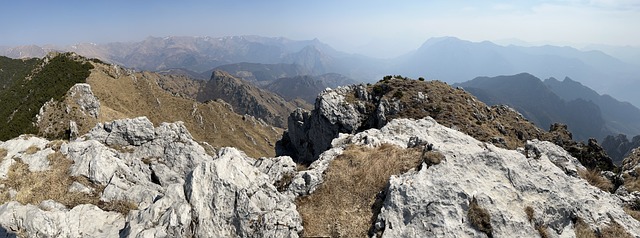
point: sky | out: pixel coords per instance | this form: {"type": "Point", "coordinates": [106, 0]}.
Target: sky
{"type": "Point", "coordinates": [374, 27]}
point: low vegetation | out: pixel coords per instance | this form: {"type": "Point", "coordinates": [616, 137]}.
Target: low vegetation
{"type": "Point", "coordinates": [453, 108]}
{"type": "Point", "coordinates": [53, 184]}
{"type": "Point", "coordinates": [633, 209]}
{"type": "Point", "coordinates": [126, 94]}
{"type": "Point", "coordinates": [3, 153]}
{"type": "Point", "coordinates": [582, 229]}
{"type": "Point", "coordinates": [631, 182]}
{"type": "Point", "coordinates": [32, 87]}
{"type": "Point", "coordinates": [613, 230]}
{"type": "Point", "coordinates": [351, 196]}
{"type": "Point", "coordinates": [538, 225]}
{"type": "Point", "coordinates": [594, 178]}
{"type": "Point", "coordinates": [479, 218]}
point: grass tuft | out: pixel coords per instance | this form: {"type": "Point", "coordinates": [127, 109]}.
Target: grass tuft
{"type": "Point", "coordinates": [284, 182]}
{"type": "Point", "coordinates": [53, 184]}
{"type": "Point", "coordinates": [530, 213]}
{"type": "Point", "coordinates": [349, 199]}
{"type": "Point", "coordinates": [538, 225]}
{"type": "Point", "coordinates": [594, 178]}
{"type": "Point", "coordinates": [3, 153]}
{"type": "Point", "coordinates": [615, 230]}
{"type": "Point", "coordinates": [32, 150]}
{"type": "Point", "coordinates": [479, 218]}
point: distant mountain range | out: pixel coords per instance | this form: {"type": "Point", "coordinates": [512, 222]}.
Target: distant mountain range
{"type": "Point", "coordinates": [587, 113]}
{"type": "Point", "coordinates": [454, 60]}
{"type": "Point", "coordinates": [445, 58]}
{"type": "Point", "coordinates": [200, 55]}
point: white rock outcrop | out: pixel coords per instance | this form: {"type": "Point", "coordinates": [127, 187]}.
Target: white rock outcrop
{"type": "Point", "coordinates": [434, 201]}
{"type": "Point", "coordinates": [81, 221]}
{"type": "Point", "coordinates": [82, 95]}
{"type": "Point", "coordinates": [179, 189]}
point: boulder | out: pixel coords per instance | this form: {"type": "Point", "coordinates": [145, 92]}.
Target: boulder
{"type": "Point", "coordinates": [434, 201]}
{"type": "Point", "coordinates": [136, 131]}
{"type": "Point", "coordinates": [232, 198]}
{"type": "Point", "coordinates": [81, 221]}
{"type": "Point", "coordinates": [82, 95]}
{"type": "Point", "coordinates": [310, 133]}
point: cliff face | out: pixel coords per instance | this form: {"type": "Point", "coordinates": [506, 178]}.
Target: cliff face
{"type": "Point", "coordinates": [525, 192]}
{"type": "Point", "coordinates": [356, 108]}
{"type": "Point", "coordinates": [246, 98]}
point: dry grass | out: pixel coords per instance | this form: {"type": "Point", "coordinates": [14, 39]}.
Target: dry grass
{"type": "Point", "coordinates": [632, 183]}
{"type": "Point", "coordinates": [432, 158]}
{"type": "Point", "coordinates": [284, 182]}
{"type": "Point", "coordinates": [3, 153]}
{"type": "Point", "coordinates": [632, 212]}
{"type": "Point", "coordinates": [32, 150]}
{"type": "Point", "coordinates": [212, 122]}
{"type": "Point", "coordinates": [55, 145]}
{"type": "Point", "coordinates": [615, 230]}
{"type": "Point", "coordinates": [479, 218]}
{"type": "Point", "coordinates": [594, 178]}
{"type": "Point", "coordinates": [583, 230]}
{"type": "Point", "coordinates": [456, 108]}
{"type": "Point", "coordinates": [539, 226]}
{"type": "Point", "coordinates": [122, 207]}
{"type": "Point", "coordinates": [348, 201]}
{"type": "Point", "coordinates": [530, 213]}
{"type": "Point", "coordinates": [53, 184]}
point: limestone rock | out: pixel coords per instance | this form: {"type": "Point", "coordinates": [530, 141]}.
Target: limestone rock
{"type": "Point", "coordinates": [434, 201]}
{"type": "Point", "coordinates": [82, 95]}
{"type": "Point", "coordinates": [229, 197]}
{"type": "Point", "coordinates": [227, 194]}
{"type": "Point", "coordinates": [81, 221]}
{"type": "Point", "coordinates": [276, 168]}
{"type": "Point", "coordinates": [124, 132]}
{"type": "Point", "coordinates": [31, 151]}
{"type": "Point", "coordinates": [311, 133]}
{"type": "Point", "coordinates": [169, 216]}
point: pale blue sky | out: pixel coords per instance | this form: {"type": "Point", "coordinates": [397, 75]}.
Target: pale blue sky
{"type": "Point", "coordinates": [374, 27]}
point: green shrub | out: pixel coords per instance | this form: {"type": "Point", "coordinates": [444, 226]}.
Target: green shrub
{"type": "Point", "coordinates": [398, 94]}
{"type": "Point", "coordinates": [22, 98]}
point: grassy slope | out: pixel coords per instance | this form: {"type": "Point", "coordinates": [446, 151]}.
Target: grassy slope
{"type": "Point", "coordinates": [124, 96]}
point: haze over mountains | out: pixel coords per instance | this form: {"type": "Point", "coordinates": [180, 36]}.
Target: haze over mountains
{"type": "Point", "coordinates": [445, 58]}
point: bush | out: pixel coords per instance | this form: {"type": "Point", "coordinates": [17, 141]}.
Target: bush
{"type": "Point", "coordinates": [421, 79]}
{"type": "Point", "coordinates": [398, 94]}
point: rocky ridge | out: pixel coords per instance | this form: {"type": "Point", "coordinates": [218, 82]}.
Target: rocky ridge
{"type": "Point", "coordinates": [355, 108]}
{"type": "Point", "coordinates": [165, 173]}
{"type": "Point", "coordinates": [543, 177]}
{"type": "Point", "coordinates": [246, 98]}
{"type": "Point", "coordinates": [182, 188]}
{"type": "Point", "coordinates": [124, 93]}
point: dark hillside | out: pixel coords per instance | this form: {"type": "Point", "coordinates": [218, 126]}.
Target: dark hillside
{"type": "Point", "coordinates": [527, 94]}
{"type": "Point", "coordinates": [23, 97]}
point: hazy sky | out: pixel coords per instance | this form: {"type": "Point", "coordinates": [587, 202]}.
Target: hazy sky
{"type": "Point", "coordinates": [376, 28]}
